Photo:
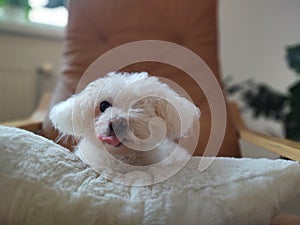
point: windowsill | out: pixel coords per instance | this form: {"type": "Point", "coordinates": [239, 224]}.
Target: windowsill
{"type": "Point", "coordinates": [31, 29]}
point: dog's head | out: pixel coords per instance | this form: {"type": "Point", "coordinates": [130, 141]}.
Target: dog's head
{"type": "Point", "coordinates": [124, 109]}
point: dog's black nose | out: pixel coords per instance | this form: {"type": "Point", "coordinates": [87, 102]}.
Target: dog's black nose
{"type": "Point", "coordinates": [118, 125]}
{"type": "Point", "coordinates": [111, 128]}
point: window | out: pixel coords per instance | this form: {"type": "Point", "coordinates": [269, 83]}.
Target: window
{"type": "Point", "coordinates": [49, 12]}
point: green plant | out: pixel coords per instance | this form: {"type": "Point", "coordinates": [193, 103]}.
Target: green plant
{"type": "Point", "coordinates": [265, 101]}
{"type": "Point", "coordinates": [17, 3]}
{"type": "Point", "coordinates": [20, 4]}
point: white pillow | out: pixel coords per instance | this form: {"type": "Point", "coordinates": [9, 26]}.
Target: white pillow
{"type": "Point", "coordinates": [43, 183]}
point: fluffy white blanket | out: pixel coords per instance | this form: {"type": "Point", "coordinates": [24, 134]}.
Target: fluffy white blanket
{"type": "Point", "coordinates": [43, 183]}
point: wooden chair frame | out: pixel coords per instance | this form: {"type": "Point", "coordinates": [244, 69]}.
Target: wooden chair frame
{"type": "Point", "coordinates": [34, 122]}
{"type": "Point", "coordinates": [283, 147]}
{"type": "Point", "coordinates": [287, 148]}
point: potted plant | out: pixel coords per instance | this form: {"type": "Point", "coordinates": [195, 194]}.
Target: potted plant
{"type": "Point", "coordinates": [265, 101]}
{"type": "Point", "coordinates": [15, 9]}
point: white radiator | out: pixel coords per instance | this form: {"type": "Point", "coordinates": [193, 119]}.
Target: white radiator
{"type": "Point", "coordinates": [18, 93]}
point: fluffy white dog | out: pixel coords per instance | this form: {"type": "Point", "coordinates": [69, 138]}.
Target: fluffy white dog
{"type": "Point", "coordinates": [133, 118]}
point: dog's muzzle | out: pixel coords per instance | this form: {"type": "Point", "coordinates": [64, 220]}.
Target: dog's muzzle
{"type": "Point", "coordinates": [117, 129]}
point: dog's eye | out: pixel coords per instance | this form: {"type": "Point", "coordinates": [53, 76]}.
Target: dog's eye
{"type": "Point", "coordinates": [104, 105]}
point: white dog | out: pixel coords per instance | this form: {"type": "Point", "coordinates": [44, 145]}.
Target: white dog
{"type": "Point", "coordinates": [133, 118]}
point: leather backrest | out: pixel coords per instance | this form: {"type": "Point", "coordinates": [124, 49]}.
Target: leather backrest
{"type": "Point", "coordinates": [96, 26]}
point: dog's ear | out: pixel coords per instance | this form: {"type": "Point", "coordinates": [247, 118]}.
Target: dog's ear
{"type": "Point", "coordinates": [61, 116]}
{"type": "Point", "coordinates": [178, 113]}
{"type": "Point", "coordinates": [67, 117]}
{"type": "Point", "coordinates": [76, 115]}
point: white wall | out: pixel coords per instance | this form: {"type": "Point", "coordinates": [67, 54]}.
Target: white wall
{"type": "Point", "coordinates": [254, 35]}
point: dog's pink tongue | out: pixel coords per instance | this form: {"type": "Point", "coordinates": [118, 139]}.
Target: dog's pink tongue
{"type": "Point", "coordinates": [112, 140]}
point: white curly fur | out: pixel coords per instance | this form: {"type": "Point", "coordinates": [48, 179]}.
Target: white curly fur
{"type": "Point", "coordinates": [156, 118]}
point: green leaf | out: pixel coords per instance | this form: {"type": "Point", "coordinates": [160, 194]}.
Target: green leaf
{"type": "Point", "coordinates": [18, 3]}
{"type": "Point", "coordinates": [293, 116]}
{"type": "Point", "coordinates": [295, 89]}
{"type": "Point", "coordinates": [293, 57]}
{"type": "Point", "coordinates": [295, 135]}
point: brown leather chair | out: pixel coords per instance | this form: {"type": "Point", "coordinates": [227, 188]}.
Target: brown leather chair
{"type": "Point", "coordinates": [96, 26]}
